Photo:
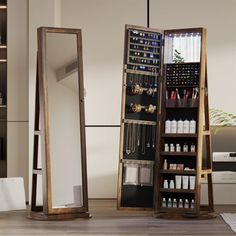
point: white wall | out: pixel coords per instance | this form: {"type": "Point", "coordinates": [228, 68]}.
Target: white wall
{"type": "Point", "coordinates": [17, 91]}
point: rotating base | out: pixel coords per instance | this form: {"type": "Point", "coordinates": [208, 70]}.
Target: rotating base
{"type": "Point", "coordinates": [68, 216]}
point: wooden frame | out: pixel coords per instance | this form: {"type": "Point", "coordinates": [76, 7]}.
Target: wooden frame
{"type": "Point", "coordinates": [47, 212]}
{"type": "Point", "coordinates": [203, 112]}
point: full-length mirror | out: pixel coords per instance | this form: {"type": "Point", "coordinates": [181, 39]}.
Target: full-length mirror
{"type": "Point", "coordinates": [62, 122]}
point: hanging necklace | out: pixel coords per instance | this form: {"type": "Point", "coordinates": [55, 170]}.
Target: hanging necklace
{"type": "Point", "coordinates": [128, 151]}
{"type": "Point", "coordinates": [153, 136]}
{"type": "Point", "coordinates": [138, 134]}
{"type": "Point", "coordinates": [143, 147]}
{"type": "Point", "coordinates": [148, 144]}
{"type": "Point", "coordinates": [133, 137]}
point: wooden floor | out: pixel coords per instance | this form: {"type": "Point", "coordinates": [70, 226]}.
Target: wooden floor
{"type": "Point", "coordinates": [107, 221]}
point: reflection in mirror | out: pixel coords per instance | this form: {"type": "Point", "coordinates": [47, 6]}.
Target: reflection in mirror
{"type": "Point", "coordinates": [182, 47]}
{"type": "Point", "coordinates": [64, 121]}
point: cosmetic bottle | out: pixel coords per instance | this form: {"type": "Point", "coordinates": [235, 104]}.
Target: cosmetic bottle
{"type": "Point", "coordinates": [192, 148]}
{"type": "Point", "coordinates": [192, 203]}
{"type": "Point", "coordinates": [192, 126]}
{"type": "Point", "coordinates": [186, 126]}
{"type": "Point", "coordinates": [173, 126]}
{"type": "Point", "coordinates": [167, 126]}
{"type": "Point", "coordinates": [172, 184]}
{"type": "Point", "coordinates": [165, 185]}
{"type": "Point", "coordinates": [185, 148]}
{"type": "Point", "coordinates": [174, 203]}
{"type": "Point", "coordinates": [180, 203]}
{"type": "Point", "coordinates": [172, 147]}
{"type": "Point", "coordinates": [166, 147]}
{"type": "Point", "coordinates": [178, 147]}
{"type": "Point", "coordinates": [169, 203]}
{"type": "Point", "coordinates": [165, 166]}
{"type": "Point", "coordinates": [163, 204]}
{"type": "Point", "coordinates": [180, 126]}
{"type": "Point", "coordinates": [186, 203]}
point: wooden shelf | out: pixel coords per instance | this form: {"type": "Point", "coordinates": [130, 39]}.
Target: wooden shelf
{"type": "Point", "coordinates": [3, 46]}
{"type": "Point", "coordinates": [146, 65]}
{"type": "Point", "coordinates": [141, 72]}
{"type": "Point", "coordinates": [176, 210]}
{"type": "Point", "coordinates": [178, 153]}
{"type": "Point", "coordinates": [144, 51]}
{"type": "Point", "coordinates": [179, 172]}
{"type": "Point", "coordinates": [3, 7]}
{"type": "Point", "coordinates": [182, 86]}
{"type": "Point", "coordinates": [169, 190]}
{"type": "Point", "coordinates": [3, 60]}
{"type": "Point", "coordinates": [3, 106]}
{"type": "Point", "coordinates": [179, 135]}
{"type": "Point", "coordinates": [144, 45]}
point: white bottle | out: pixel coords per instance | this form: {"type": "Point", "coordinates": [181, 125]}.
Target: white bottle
{"type": "Point", "coordinates": [192, 204]}
{"type": "Point", "coordinates": [165, 185]}
{"type": "Point", "coordinates": [172, 184]}
{"type": "Point", "coordinates": [180, 203]}
{"type": "Point", "coordinates": [172, 147]}
{"type": "Point", "coordinates": [174, 126]}
{"type": "Point", "coordinates": [174, 204]}
{"type": "Point", "coordinates": [186, 126]}
{"type": "Point", "coordinates": [169, 203]}
{"type": "Point", "coordinates": [180, 127]}
{"type": "Point", "coordinates": [185, 148]}
{"type": "Point", "coordinates": [165, 166]}
{"type": "Point", "coordinates": [192, 148]}
{"type": "Point", "coordinates": [178, 147]}
{"type": "Point", "coordinates": [192, 126]}
{"type": "Point", "coordinates": [163, 202]}
{"type": "Point", "coordinates": [186, 203]}
{"type": "Point", "coordinates": [168, 126]}
{"type": "Point", "coordinates": [166, 147]}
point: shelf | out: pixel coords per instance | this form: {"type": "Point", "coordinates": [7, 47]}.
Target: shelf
{"type": "Point", "coordinates": [145, 58]}
{"type": "Point", "coordinates": [140, 72]}
{"type": "Point", "coordinates": [3, 60]}
{"type": "Point", "coordinates": [144, 45]}
{"type": "Point", "coordinates": [143, 38]}
{"type": "Point", "coordinates": [135, 161]}
{"type": "Point", "coordinates": [3, 7]}
{"type": "Point", "coordinates": [179, 135]}
{"type": "Point", "coordinates": [176, 210]}
{"type": "Point", "coordinates": [3, 106]}
{"type": "Point", "coordinates": [182, 86]}
{"type": "Point", "coordinates": [3, 46]}
{"type": "Point", "coordinates": [146, 65]}
{"type": "Point", "coordinates": [180, 172]}
{"type": "Point", "coordinates": [142, 122]}
{"type": "Point", "coordinates": [168, 190]}
{"type": "Point", "coordinates": [182, 103]}
{"type": "Point", "coordinates": [144, 51]}
{"type": "Point", "coordinates": [178, 153]}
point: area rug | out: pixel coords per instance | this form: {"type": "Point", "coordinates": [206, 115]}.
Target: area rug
{"type": "Point", "coordinates": [230, 219]}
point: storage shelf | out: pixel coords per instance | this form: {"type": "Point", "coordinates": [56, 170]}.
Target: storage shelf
{"type": "Point", "coordinates": [180, 172]}
{"type": "Point", "coordinates": [146, 65]}
{"type": "Point", "coordinates": [178, 153]}
{"type": "Point", "coordinates": [179, 135]}
{"type": "Point", "coordinates": [143, 38]}
{"type": "Point", "coordinates": [3, 106]}
{"type": "Point", "coordinates": [176, 210]}
{"type": "Point", "coordinates": [169, 190]}
{"type": "Point", "coordinates": [141, 72]}
{"type": "Point", "coordinates": [182, 86]}
{"type": "Point", "coordinates": [3, 7]}
{"type": "Point", "coordinates": [3, 60]}
{"type": "Point", "coordinates": [144, 45]}
{"type": "Point", "coordinates": [143, 51]}
{"type": "Point", "coordinates": [3, 46]}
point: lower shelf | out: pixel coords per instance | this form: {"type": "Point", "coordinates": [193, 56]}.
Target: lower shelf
{"type": "Point", "coordinates": [169, 190]}
{"type": "Point", "coordinates": [176, 210]}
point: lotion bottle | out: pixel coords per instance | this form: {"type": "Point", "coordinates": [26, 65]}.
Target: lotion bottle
{"type": "Point", "coordinates": [192, 126]}
{"type": "Point", "coordinates": [186, 126]}
{"type": "Point", "coordinates": [180, 126]}
{"type": "Point", "coordinates": [167, 126]}
{"type": "Point", "coordinates": [173, 126]}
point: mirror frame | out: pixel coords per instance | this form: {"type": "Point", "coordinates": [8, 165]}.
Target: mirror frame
{"type": "Point", "coordinates": [45, 126]}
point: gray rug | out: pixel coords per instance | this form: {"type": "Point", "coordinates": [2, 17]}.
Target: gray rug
{"type": "Point", "coordinates": [230, 219]}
